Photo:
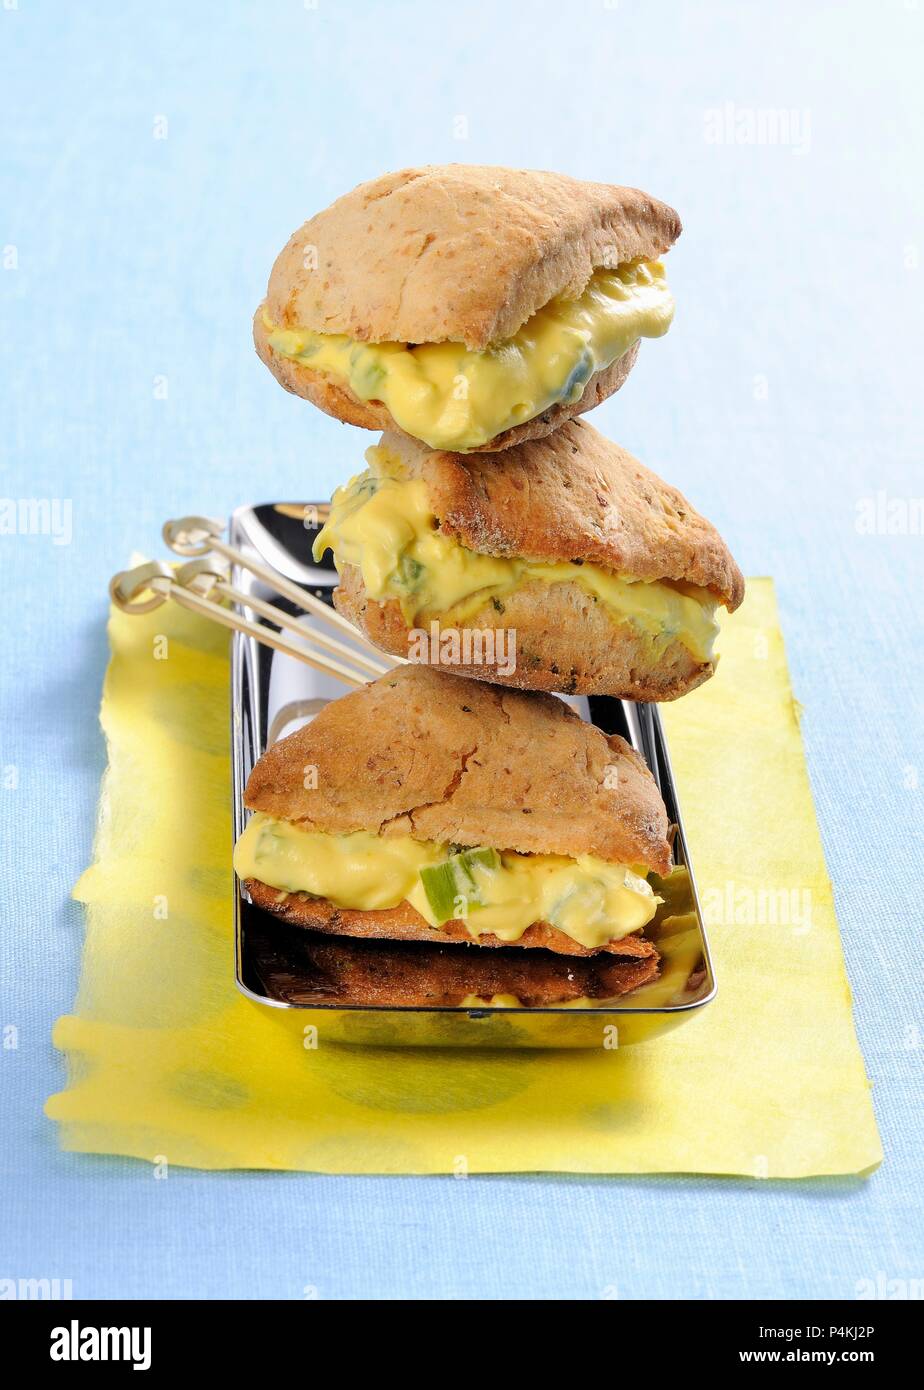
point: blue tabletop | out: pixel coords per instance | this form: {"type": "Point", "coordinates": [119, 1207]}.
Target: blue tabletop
{"type": "Point", "coordinates": [156, 157]}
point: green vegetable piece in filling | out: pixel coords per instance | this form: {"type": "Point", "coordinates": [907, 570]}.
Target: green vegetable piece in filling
{"type": "Point", "coordinates": [586, 899]}
{"type": "Point", "coordinates": [444, 884]}
{"type": "Point", "coordinates": [407, 575]}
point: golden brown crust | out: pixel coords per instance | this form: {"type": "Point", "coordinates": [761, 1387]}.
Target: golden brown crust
{"type": "Point", "coordinates": [574, 495]}
{"type": "Point", "coordinates": [458, 252]}
{"type": "Point", "coordinates": [424, 753]}
{"type": "Point", "coordinates": [404, 923]}
{"type": "Point", "coordinates": [565, 642]}
{"type": "Point", "coordinates": [338, 400]}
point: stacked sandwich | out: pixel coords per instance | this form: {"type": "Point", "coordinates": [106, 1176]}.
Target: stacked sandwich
{"type": "Point", "coordinates": [495, 539]}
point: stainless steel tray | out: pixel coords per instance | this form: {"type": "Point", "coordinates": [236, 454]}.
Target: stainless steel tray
{"type": "Point", "coordinates": [289, 968]}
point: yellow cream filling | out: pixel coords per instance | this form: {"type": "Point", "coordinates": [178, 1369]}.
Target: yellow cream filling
{"type": "Point", "coordinates": [381, 522]}
{"type": "Point", "coordinates": [453, 398]}
{"type": "Point", "coordinates": [588, 899]}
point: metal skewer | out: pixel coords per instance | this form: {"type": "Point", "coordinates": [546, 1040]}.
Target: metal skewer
{"type": "Point", "coordinates": [276, 615]}
{"type": "Point", "coordinates": [197, 535]}
{"type": "Point", "coordinates": [146, 587]}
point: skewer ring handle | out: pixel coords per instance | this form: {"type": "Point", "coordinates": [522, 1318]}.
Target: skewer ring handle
{"type": "Point", "coordinates": [191, 535]}
{"type": "Point", "coordinates": [126, 586]}
{"type": "Point", "coordinates": [201, 575]}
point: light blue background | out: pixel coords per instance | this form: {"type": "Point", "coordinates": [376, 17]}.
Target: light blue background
{"type": "Point", "coordinates": [797, 279]}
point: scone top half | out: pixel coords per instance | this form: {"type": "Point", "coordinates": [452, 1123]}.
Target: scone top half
{"type": "Point", "coordinates": [468, 307]}
{"type": "Point", "coordinates": [562, 564]}
{"type": "Point", "coordinates": [425, 807]}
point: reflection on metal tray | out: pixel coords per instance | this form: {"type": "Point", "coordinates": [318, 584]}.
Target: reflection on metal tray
{"type": "Point", "coordinates": [408, 993]}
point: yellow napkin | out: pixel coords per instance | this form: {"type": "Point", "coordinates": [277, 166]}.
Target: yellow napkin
{"type": "Point", "coordinates": [167, 1062]}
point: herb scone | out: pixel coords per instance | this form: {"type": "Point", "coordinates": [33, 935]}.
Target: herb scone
{"type": "Point", "coordinates": [469, 307]}
{"type": "Point", "coordinates": [593, 575]}
{"type": "Point", "coordinates": [424, 807]}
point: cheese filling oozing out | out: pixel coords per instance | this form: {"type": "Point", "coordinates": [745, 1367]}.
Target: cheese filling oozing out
{"type": "Point", "coordinates": [589, 899]}
{"type": "Point", "coordinates": [381, 522]}
{"type": "Point", "coordinates": [454, 398]}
